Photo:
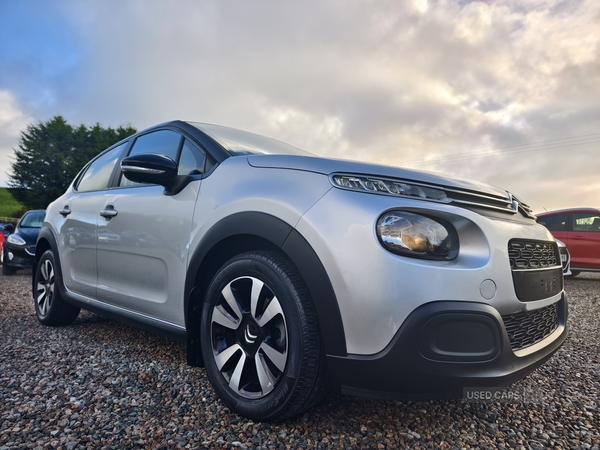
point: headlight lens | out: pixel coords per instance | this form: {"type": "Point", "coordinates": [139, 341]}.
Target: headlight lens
{"type": "Point", "coordinates": [15, 239]}
{"type": "Point", "coordinates": [411, 234]}
{"type": "Point", "coordinates": [388, 187]}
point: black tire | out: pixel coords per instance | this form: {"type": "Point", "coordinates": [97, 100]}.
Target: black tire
{"type": "Point", "coordinates": [260, 338]}
{"type": "Point", "coordinates": [50, 308]}
{"type": "Point", "coordinates": [574, 273]}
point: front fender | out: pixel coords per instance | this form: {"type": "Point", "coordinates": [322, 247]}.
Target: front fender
{"type": "Point", "coordinates": [274, 234]}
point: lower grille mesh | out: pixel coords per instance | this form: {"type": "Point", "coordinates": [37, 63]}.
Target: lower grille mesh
{"type": "Point", "coordinates": [528, 328]}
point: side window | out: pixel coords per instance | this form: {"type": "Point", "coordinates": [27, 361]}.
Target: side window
{"type": "Point", "coordinates": [556, 222]}
{"type": "Point", "coordinates": [191, 161]}
{"type": "Point", "coordinates": [586, 222]}
{"type": "Point", "coordinates": [97, 175]}
{"type": "Point", "coordinates": [163, 142]}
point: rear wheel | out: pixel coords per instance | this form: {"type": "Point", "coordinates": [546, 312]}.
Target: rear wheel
{"type": "Point", "coordinates": [574, 273]}
{"type": "Point", "coordinates": [50, 308]}
{"type": "Point", "coordinates": [260, 338]}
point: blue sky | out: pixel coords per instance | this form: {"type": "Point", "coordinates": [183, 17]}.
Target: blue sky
{"type": "Point", "coordinates": [506, 92]}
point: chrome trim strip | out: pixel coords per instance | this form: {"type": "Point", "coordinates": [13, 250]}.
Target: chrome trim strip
{"type": "Point", "coordinates": [141, 170]}
{"type": "Point", "coordinates": [541, 344]}
{"type": "Point", "coordinates": [538, 269]}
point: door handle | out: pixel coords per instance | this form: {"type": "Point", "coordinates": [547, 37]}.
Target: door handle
{"type": "Point", "coordinates": [108, 213]}
{"type": "Point", "coordinates": [578, 238]}
{"type": "Point", "coordinates": [65, 211]}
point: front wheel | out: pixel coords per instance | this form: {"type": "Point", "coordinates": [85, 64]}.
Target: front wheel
{"type": "Point", "coordinates": [50, 308]}
{"type": "Point", "coordinates": [260, 338]}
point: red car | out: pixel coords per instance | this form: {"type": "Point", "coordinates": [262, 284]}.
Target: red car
{"type": "Point", "coordinates": [2, 239]}
{"type": "Point", "coordinates": [579, 229]}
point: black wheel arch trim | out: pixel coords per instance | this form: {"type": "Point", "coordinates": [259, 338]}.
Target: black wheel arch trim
{"type": "Point", "coordinates": [280, 236]}
{"type": "Point", "coordinates": [264, 226]}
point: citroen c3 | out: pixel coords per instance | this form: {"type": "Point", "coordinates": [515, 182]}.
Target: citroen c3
{"type": "Point", "coordinates": [284, 272]}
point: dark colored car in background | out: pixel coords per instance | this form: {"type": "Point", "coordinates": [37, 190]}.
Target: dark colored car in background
{"type": "Point", "coordinates": [579, 229]}
{"type": "Point", "coordinates": [19, 248]}
{"type": "Point", "coordinates": [6, 229]}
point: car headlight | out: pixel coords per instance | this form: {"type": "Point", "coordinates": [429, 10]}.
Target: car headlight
{"type": "Point", "coordinates": [411, 234]}
{"type": "Point", "coordinates": [15, 239]}
{"type": "Point", "coordinates": [387, 187]}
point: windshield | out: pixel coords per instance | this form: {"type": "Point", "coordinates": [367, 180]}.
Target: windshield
{"type": "Point", "coordinates": [238, 142]}
{"type": "Point", "coordinates": [33, 219]}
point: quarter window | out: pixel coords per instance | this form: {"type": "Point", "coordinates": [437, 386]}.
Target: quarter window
{"type": "Point", "coordinates": [97, 175]}
{"type": "Point", "coordinates": [191, 161]}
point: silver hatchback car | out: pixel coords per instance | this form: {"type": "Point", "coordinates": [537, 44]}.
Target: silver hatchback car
{"type": "Point", "coordinates": [284, 272]}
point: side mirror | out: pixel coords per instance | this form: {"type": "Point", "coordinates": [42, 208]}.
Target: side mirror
{"type": "Point", "coordinates": [154, 169]}
{"type": "Point", "coordinates": [9, 227]}
{"type": "Point", "coordinates": [149, 168]}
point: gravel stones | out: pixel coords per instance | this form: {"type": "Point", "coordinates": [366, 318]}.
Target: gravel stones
{"type": "Point", "coordinates": [100, 384]}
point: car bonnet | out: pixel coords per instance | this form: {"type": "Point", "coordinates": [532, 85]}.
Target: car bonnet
{"type": "Point", "coordinates": [328, 166]}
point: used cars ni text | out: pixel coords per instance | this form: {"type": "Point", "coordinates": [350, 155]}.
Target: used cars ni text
{"type": "Point", "coordinates": [283, 271]}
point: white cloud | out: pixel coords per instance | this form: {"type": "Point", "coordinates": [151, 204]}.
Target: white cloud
{"type": "Point", "coordinates": [383, 81]}
{"type": "Point", "coordinates": [12, 121]}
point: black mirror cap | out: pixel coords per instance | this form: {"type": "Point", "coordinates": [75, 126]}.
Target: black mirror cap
{"type": "Point", "coordinates": [149, 168]}
{"type": "Point", "coordinates": [9, 227]}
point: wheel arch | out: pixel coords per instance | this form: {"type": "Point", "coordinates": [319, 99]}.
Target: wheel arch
{"type": "Point", "coordinates": [250, 231]}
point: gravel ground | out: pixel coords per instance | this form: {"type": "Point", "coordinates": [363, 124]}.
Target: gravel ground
{"type": "Point", "coordinates": [100, 384]}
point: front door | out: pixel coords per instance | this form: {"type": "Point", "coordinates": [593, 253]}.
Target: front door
{"type": "Point", "coordinates": [143, 240]}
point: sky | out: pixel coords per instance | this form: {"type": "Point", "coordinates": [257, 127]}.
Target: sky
{"type": "Point", "coordinates": [505, 92]}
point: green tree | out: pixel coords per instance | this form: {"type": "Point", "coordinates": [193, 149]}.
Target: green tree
{"type": "Point", "coordinates": [51, 153]}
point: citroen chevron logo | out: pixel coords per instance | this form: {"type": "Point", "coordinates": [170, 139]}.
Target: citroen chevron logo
{"type": "Point", "coordinates": [250, 338]}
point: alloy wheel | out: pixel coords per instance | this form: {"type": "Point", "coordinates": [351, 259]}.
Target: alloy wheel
{"type": "Point", "coordinates": [44, 292]}
{"type": "Point", "coordinates": [249, 337]}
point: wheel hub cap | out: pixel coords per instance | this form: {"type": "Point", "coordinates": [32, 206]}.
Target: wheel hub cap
{"type": "Point", "coordinates": [249, 337]}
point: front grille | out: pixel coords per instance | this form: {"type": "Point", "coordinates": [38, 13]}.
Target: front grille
{"type": "Point", "coordinates": [509, 204]}
{"type": "Point", "coordinates": [527, 254]}
{"type": "Point", "coordinates": [528, 328]}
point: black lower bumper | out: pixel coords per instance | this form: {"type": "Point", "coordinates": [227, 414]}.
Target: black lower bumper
{"type": "Point", "coordinates": [20, 260]}
{"type": "Point", "coordinates": [442, 348]}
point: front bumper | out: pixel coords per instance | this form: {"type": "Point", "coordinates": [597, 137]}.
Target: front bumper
{"type": "Point", "coordinates": [444, 347]}
{"type": "Point", "coordinates": [21, 258]}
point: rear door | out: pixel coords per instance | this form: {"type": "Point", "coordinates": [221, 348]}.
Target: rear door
{"type": "Point", "coordinates": [77, 230]}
